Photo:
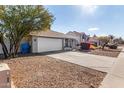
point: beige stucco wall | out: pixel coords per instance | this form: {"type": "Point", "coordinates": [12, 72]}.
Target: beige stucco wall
{"type": "Point", "coordinates": [34, 45]}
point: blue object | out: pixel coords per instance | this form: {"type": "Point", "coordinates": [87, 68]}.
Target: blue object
{"type": "Point", "coordinates": [25, 48]}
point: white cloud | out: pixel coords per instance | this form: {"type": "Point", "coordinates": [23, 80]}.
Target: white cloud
{"type": "Point", "coordinates": [93, 29]}
{"type": "Point", "coordinates": [89, 9]}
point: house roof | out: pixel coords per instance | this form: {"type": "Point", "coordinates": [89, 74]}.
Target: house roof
{"type": "Point", "coordinates": [93, 39]}
{"type": "Point", "coordinates": [50, 33]}
{"type": "Point", "coordinates": [75, 33]}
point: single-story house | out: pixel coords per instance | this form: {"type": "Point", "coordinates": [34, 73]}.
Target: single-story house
{"type": "Point", "coordinates": [45, 41]}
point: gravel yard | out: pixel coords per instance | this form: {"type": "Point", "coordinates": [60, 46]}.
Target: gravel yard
{"type": "Point", "coordinates": [105, 52]}
{"type": "Point", "coordinates": [43, 71]}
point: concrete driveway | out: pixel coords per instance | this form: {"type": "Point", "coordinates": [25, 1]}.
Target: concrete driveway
{"type": "Point", "coordinates": [100, 63]}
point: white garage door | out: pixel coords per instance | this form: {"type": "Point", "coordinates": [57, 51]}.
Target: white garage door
{"type": "Point", "coordinates": [49, 44]}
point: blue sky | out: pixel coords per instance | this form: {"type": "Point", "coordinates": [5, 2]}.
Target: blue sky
{"type": "Point", "coordinates": [99, 20]}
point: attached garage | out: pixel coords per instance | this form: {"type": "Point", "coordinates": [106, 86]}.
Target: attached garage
{"type": "Point", "coordinates": [46, 41]}
{"type": "Point", "coordinates": [44, 44]}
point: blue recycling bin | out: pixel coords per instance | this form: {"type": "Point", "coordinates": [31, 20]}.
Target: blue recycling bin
{"type": "Point", "coordinates": [25, 48]}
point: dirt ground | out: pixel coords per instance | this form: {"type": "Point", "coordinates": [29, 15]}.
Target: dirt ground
{"type": "Point", "coordinates": [106, 52]}
{"type": "Point", "coordinates": [47, 72]}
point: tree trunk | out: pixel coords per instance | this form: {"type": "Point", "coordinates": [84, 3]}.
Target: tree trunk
{"type": "Point", "coordinates": [10, 50]}
{"type": "Point", "coordinates": [5, 51]}
{"type": "Point", "coordinates": [103, 47]}
{"type": "Point", "coordinates": [16, 47]}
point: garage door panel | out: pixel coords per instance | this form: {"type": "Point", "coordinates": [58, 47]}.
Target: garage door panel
{"type": "Point", "coordinates": [49, 44]}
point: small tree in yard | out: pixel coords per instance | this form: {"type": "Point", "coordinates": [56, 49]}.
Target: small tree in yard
{"type": "Point", "coordinates": [16, 22]}
{"type": "Point", "coordinates": [105, 40]}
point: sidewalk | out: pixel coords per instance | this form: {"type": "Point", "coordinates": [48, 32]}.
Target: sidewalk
{"type": "Point", "coordinates": [115, 78]}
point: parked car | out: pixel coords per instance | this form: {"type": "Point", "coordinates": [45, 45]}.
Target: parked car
{"type": "Point", "coordinates": [112, 46]}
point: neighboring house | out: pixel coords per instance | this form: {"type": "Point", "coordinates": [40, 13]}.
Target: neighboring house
{"type": "Point", "coordinates": [80, 36]}
{"type": "Point", "coordinates": [94, 40]}
{"type": "Point", "coordinates": [75, 34]}
{"type": "Point", "coordinates": [45, 41]}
